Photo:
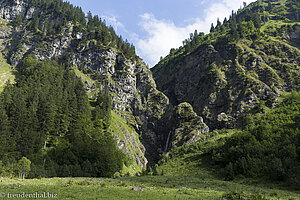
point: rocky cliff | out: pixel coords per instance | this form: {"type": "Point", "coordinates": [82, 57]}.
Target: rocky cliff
{"type": "Point", "coordinates": [188, 126]}
{"type": "Point", "coordinates": [251, 58]}
{"type": "Point", "coordinates": [135, 97]}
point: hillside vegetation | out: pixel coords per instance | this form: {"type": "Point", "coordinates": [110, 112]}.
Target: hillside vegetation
{"type": "Point", "coordinates": [243, 79]}
{"type": "Point", "coordinates": [267, 148]}
{"type": "Point", "coordinates": [6, 73]}
{"type": "Point", "coordinates": [46, 117]}
{"type": "Point", "coordinates": [252, 56]}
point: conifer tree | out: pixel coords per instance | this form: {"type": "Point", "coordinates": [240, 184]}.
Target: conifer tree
{"type": "Point", "coordinates": [218, 23]}
{"type": "Point", "coordinates": [7, 145]}
{"type": "Point", "coordinates": [212, 28]}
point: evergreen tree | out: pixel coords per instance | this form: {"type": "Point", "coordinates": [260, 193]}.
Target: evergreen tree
{"type": "Point", "coordinates": [18, 20]}
{"type": "Point", "coordinates": [233, 29]}
{"type": "Point", "coordinates": [225, 21]}
{"type": "Point", "coordinates": [102, 113]}
{"type": "Point", "coordinates": [35, 23]}
{"type": "Point", "coordinates": [212, 28]}
{"type": "Point", "coordinates": [7, 145]}
{"type": "Point", "coordinates": [219, 23]}
{"type": "Point", "coordinates": [257, 21]}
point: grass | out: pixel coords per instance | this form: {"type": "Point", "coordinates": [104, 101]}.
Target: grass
{"type": "Point", "coordinates": [100, 188]}
{"type": "Point", "coordinates": [192, 160]}
{"type": "Point", "coordinates": [130, 139]}
{"type": "Point", "coordinates": [6, 73]}
{"type": "Point", "coordinates": [145, 187]}
{"type": "Point", "coordinates": [86, 78]}
{"type": "Point", "coordinates": [184, 177]}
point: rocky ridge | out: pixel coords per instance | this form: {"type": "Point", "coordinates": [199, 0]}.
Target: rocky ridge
{"type": "Point", "coordinates": [223, 78]}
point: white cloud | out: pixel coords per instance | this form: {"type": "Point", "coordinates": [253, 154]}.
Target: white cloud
{"type": "Point", "coordinates": [162, 35]}
{"type": "Point", "coordinates": [113, 21]}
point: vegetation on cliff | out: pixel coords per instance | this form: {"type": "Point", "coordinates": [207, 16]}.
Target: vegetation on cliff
{"type": "Point", "coordinates": [236, 77]}
{"type": "Point", "coordinates": [252, 56]}
{"type": "Point", "coordinates": [52, 16]}
{"type": "Point", "coordinates": [266, 148]}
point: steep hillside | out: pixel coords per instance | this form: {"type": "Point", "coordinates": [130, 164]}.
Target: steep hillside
{"type": "Point", "coordinates": [6, 73]}
{"type": "Point", "coordinates": [266, 149]}
{"type": "Point", "coordinates": [252, 57]}
{"type": "Point", "coordinates": [55, 30]}
{"type": "Point", "coordinates": [5, 69]}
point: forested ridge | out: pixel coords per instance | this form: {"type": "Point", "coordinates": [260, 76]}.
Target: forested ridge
{"type": "Point", "coordinates": [52, 16]}
{"type": "Point", "coordinates": [246, 23]}
{"type": "Point", "coordinates": [47, 46]}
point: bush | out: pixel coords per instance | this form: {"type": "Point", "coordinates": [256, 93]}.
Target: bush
{"type": "Point", "coordinates": [267, 147]}
{"type": "Point", "coordinates": [242, 196]}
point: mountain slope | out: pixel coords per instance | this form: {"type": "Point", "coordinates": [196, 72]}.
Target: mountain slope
{"type": "Point", "coordinates": [252, 57]}
{"type": "Point", "coordinates": [55, 30]}
{"type": "Point", "coordinates": [266, 149]}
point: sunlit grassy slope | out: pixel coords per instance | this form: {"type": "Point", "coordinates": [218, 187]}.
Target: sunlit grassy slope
{"type": "Point", "coordinates": [6, 73]}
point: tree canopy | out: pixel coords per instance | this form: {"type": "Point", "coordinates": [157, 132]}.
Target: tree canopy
{"type": "Point", "coordinates": [46, 117]}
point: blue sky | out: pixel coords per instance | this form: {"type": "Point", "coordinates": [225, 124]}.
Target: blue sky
{"type": "Point", "coordinates": [156, 26]}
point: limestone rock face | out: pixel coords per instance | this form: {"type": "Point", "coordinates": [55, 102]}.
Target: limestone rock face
{"type": "Point", "coordinates": [222, 81]}
{"type": "Point", "coordinates": [189, 126]}
{"type": "Point", "coordinates": [134, 94]}
{"type": "Point", "coordinates": [226, 73]}
{"type": "Point", "coordinates": [9, 9]}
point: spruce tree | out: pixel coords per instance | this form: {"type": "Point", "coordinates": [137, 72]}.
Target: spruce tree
{"type": "Point", "coordinates": [212, 28]}
{"type": "Point", "coordinates": [7, 144]}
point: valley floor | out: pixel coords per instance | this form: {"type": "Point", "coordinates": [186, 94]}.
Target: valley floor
{"type": "Point", "coordinates": [145, 187]}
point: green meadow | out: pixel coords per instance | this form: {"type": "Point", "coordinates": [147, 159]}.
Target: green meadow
{"type": "Point", "coordinates": [144, 187]}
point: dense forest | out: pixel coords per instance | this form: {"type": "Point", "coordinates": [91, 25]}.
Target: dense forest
{"type": "Point", "coordinates": [47, 118]}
